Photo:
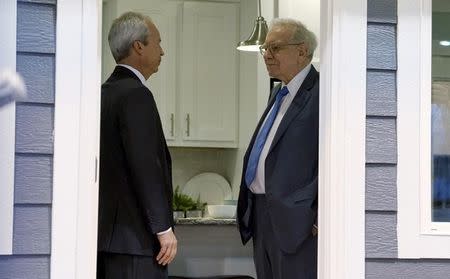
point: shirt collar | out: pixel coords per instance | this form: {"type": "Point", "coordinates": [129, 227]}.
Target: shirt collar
{"type": "Point", "coordinates": [294, 85]}
{"type": "Point", "coordinates": [136, 72]}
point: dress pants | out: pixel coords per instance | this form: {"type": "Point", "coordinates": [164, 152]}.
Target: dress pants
{"type": "Point", "coordinates": [270, 261]}
{"type": "Point", "coordinates": [122, 266]}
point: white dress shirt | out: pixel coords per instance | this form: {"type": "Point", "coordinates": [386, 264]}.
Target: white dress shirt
{"type": "Point", "coordinates": [136, 72]}
{"type": "Point", "coordinates": [258, 184]}
{"type": "Point", "coordinates": [142, 79]}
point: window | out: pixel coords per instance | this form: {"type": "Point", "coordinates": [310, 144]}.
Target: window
{"type": "Point", "coordinates": [423, 129]}
{"type": "Point", "coordinates": [440, 114]}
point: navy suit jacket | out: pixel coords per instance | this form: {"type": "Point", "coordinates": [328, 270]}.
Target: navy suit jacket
{"type": "Point", "coordinates": [291, 169]}
{"type": "Point", "coordinates": [135, 195]}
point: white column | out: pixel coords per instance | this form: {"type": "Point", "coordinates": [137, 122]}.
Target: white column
{"type": "Point", "coordinates": [342, 139]}
{"type": "Point", "coordinates": [77, 116]}
{"type": "Point", "coordinates": [8, 21]}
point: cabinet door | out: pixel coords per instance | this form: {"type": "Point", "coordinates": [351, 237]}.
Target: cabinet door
{"type": "Point", "coordinates": [162, 83]}
{"type": "Point", "coordinates": [208, 77]}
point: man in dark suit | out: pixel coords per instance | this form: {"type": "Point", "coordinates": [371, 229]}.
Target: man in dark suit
{"type": "Point", "coordinates": [135, 237]}
{"type": "Point", "coordinates": [278, 196]}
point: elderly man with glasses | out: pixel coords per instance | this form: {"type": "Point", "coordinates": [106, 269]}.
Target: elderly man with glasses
{"type": "Point", "coordinates": [277, 204]}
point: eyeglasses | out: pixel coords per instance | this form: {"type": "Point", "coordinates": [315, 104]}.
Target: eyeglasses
{"type": "Point", "coordinates": [274, 49]}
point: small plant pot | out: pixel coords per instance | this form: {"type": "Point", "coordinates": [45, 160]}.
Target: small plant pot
{"type": "Point", "coordinates": [194, 214]}
{"type": "Point", "coordinates": [178, 214]}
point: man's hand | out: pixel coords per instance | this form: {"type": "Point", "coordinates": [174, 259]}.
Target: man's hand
{"type": "Point", "coordinates": [168, 243]}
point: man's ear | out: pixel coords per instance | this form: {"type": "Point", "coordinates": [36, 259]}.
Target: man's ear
{"type": "Point", "coordinates": [137, 47]}
{"type": "Point", "coordinates": [303, 51]}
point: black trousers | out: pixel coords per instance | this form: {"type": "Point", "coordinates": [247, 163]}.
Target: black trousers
{"type": "Point", "coordinates": [122, 266]}
{"type": "Point", "coordinates": [270, 261]}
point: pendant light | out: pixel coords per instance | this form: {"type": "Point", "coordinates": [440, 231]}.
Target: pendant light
{"type": "Point", "coordinates": [258, 36]}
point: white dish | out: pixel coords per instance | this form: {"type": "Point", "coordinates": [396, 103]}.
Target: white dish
{"type": "Point", "coordinates": [211, 187]}
{"type": "Point", "coordinates": [221, 211]}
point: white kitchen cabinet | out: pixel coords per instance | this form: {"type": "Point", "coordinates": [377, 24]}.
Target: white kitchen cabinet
{"type": "Point", "coordinates": [163, 84]}
{"type": "Point", "coordinates": [196, 85]}
{"type": "Point", "coordinates": [208, 74]}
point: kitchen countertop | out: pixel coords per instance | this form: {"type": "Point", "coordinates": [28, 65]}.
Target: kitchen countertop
{"type": "Point", "coordinates": [205, 221]}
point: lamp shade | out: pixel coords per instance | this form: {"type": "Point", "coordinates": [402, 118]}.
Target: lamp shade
{"type": "Point", "coordinates": [257, 38]}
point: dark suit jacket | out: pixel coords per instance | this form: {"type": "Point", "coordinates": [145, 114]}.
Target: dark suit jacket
{"type": "Point", "coordinates": [290, 171]}
{"type": "Point", "coordinates": [135, 198]}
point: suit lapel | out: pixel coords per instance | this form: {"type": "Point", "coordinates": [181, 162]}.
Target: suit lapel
{"type": "Point", "coordinates": [297, 105]}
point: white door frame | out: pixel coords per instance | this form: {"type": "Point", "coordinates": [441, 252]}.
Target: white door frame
{"type": "Point", "coordinates": [76, 147]}
{"type": "Point", "coordinates": [8, 19]}
{"type": "Point", "coordinates": [342, 139]}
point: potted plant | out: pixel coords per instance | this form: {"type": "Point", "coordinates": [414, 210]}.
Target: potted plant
{"type": "Point", "coordinates": [185, 206]}
{"type": "Point", "coordinates": [196, 209]}
{"type": "Point", "coordinates": [178, 204]}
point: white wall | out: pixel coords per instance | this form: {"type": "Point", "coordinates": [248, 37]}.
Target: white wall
{"type": "Point", "coordinates": [308, 12]}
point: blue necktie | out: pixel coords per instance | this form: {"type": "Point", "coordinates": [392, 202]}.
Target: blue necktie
{"type": "Point", "coordinates": [262, 137]}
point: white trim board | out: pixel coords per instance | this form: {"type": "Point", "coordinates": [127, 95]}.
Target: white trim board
{"type": "Point", "coordinates": [342, 139]}
{"type": "Point", "coordinates": [8, 19]}
{"type": "Point", "coordinates": [417, 236]}
{"type": "Point", "coordinates": [75, 186]}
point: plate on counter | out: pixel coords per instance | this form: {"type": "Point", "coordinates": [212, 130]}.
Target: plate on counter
{"type": "Point", "coordinates": [211, 187]}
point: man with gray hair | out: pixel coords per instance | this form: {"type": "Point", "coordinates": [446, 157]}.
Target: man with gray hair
{"type": "Point", "coordinates": [277, 204]}
{"type": "Point", "coordinates": [135, 235]}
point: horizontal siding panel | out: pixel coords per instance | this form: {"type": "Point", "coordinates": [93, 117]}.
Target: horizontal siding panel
{"type": "Point", "coordinates": [36, 30]}
{"type": "Point", "coordinates": [381, 235]}
{"type": "Point", "coordinates": [381, 46]}
{"type": "Point", "coordinates": [382, 11]}
{"type": "Point", "coordinates": [381, 191]}
{"type": "Point", "coordinates": [34, 129]}
{"type": "Point", "coordinates": [23, 267]}
{"type": "Point", "coordinates": [38, 72]}
{"type": "Point", "coordinates": [38, 1]}
{"type": "Point", "coordinates": [381, 140]}
{"type": "Point", "coordinates": [32, 230]}
{"type": "Point", "coordinates": [33, 179]}
{"type": "Point", "coordinates": [412, 269]}
{"type": "Point", "coordinates": [381, 93]}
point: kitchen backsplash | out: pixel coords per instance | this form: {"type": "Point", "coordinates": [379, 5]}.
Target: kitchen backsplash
{"type": "Point", "coordinates": [188, 162]}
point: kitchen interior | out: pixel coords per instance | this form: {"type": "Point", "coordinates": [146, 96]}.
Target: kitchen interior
{"type": "Point", "coordinates": [209, 103]}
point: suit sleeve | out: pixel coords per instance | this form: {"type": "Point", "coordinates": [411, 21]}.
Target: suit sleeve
{"type": "Point", "coordinates": [142, 142]}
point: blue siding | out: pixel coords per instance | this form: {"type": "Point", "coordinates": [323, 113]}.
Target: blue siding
{"type": "Point", "coordinates": [381, 187]}
{"type": "Point", "coordinates": [381, 239]}
{"type": "Point", "coordinates": [24, 267]}
{"type": "Point", "coordinates": [381, 140]}
{"type": "Point", "coordinates": [34, 129]}
{"type": "Point", "coordinates": [381, 46]}
{"type": "Point", "coordinates": [381, 132]}
{"type": "Point", "coordinates": [31, 230]}
{"type": "Point", "coordinates": [36, 28]}
{"type": "Point", "coordinates": [38, 73]}
{"type": "Point", "coordinates": [381, 93]}
{"type": "Point", "coordinates": [36, 25]}
{"type": "Point", "coordinates": [384, 11]}
{"type": "Point", "coordinates": [381, 154]}
{"type": "Point", "coordinates": [407, 269]}
{"type": "Point", "coordinates": [33, 183]}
